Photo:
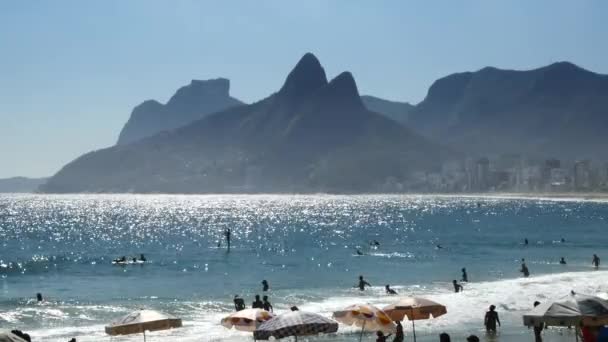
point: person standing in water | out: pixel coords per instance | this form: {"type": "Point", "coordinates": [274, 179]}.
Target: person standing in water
{"type": "Point", "coordinates": [227, 234]}
{"type": "Point", "coordinates": [39, 297]}
{"type": "Point", "coordinates": [265, 286]}
{"type": "Point", "coordinates": [267, 306]}
{"type": "Point", "coordinates": [596, 261]}
{"type": "Point", "coordinates": [465, 277]}
{"type": "Point", "coordinates": [524, 268]}
{"type": "Point", "coordinates": [399, 333]}
{"type": "Point", "coordinates": [382, 337]}
{"type": "Point", "coordinates": [457, 287]}
{"type": "Point", "coordinates": [526, 241]}
{"type": "Point", "coordinates": [562, 261]}
{"type": "Point", "coordinates": [538, 329]}
{"type": "Point", "coordinates": [363, 284]}
{"type": "Point", "coordinates": [239, 303]}
{"type": "Point", "coordinates": [257, 304]}
{"type": "Point", "coordinates": [491, 319]}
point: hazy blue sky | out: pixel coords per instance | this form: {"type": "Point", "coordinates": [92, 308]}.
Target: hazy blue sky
{"type": "Point", "coordinates": [71, 71]}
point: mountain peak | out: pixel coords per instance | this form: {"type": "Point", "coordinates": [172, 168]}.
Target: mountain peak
{"type": "Point", "coordinates": [342, 90]}
{"type": "Point", "coordinates": [196, 88]}
{"type": "Point", "coordinates": [307, 76]}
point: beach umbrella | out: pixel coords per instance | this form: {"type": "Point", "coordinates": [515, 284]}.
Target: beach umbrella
{"type": "Point", "coordinates": [295, 323]}
{"type": "Point", "coordinates": [7, 336]}
{"type": "Point", "coordinates": [573, 310]}
{"type": "Point", "coordinates": [366, 316]}
{"type": "Point", "coordinates": [414, 308]}
{"type": "Point", "coordinates": [246, 320]}
{"type": "Point", "coordinates": [140, 321]}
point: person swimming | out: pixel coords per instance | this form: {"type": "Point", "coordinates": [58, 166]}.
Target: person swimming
{"type": "Point", "coordinates": [239, 303]}
{"type": "Point", "coordinates": [562, 261]}
{"type": "Point", "coordinates": [363, 284]}
{"type": "Point", "coordinates": [267, 306]}
{"type": "Point", "coordinates": [265, 285]}
{"type": "Point", "coordinates": [142, 258]}
{"type": "Point", "coordinates": [438, 246]}
{"type": "Point", "coordinates": [524, 268]}
{"type": "Point", "coordinates": [465, 277]}
{"type": "Point", "coordinates": [457, 287]}
{"type": "Point", "coordinates": [389, 290]}
{"type": "Point", "coordinates": [359, 252]}
{"type": "Point", "coordinates": [121, 260]}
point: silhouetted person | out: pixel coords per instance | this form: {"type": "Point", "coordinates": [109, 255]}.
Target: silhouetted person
{"type": "Point", "coordinates": [239, 303]}
{"type": "Point", "coordinates": [465, 277]}
{"type": "Point", "coordinates": [491, 319]}
{"type": "Point", "coordinates": [227, 234]}
{"type": "Point", "coordinates": [443, 337]}
{"type": "Point", "coordinates": [21, 334]}
{"type": "Point", "coordinates": [359, 252]}
{"type": "Point", "coordinates": [457, 287]}
{"type": "Point", "coordinates": [478, 205]}
{"type": "Point", "coordinates": [257, 303]}
{"type": "Point", "coordinates": [538, 329]}
{"type": "Point", "coordinates": [438, 246]}
{"type": "Point", "coordinates": [562, 261]}
{"type": "Point", "coordinates": [563, 240]}
{"type": "Point", "coordinates": [381, 336]}
{"type": "Point", "coordinates": [121, 259]}
{"type": "Point", "coordinates": [134, 260]}
{"type": "Point", "coordinates": [265, 286]}
{"type": "Point", "coordinates": [398, 333]}
{"type": "Point", "coordinates": [39, 297]}
{"type": "Point", "coordinates": [524, 268]}
{"type": "Point", "coordinates": [472, 338]}
{"type": "Point", "coordinates": [526, 241]}
{"type": "Point", "coordinates": [363, 283]}
{"type": "Point", "coordinates": [267, 305]}
{"type": "Point", "coordinates": [73, 339]}
{"type": "Point", "coordinates": [294, 308]}
{"type": "Point", "coordinates": [142, 258]}
{"type": "Point", "coordinates": [374, 243]}
{"type": "Point", "coordinates": [389, 290]}
{"type": "Point", "coordinates": [596, 261]}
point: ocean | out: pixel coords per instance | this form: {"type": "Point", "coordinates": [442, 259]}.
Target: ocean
{"type": "Point", "coordinates": [304, 245]}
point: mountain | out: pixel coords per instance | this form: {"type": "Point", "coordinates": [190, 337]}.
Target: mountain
{"type": "Point", "coordinates": [189, 104]}
{"type": "Point", "coordinates": [310, 136]}
{"type": "Point", "coordinates": [397, 111]}
{"type": "Point", "coordinates": [20, 184]}
{"type": "Point", "coordinates": [558, 110]}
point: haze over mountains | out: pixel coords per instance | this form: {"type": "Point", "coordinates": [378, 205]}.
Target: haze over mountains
{"type": "Point", "coordinates": [311, 135]}
{"type": "Point", "coordinates": [319, 136]}
{"type": "Point", "coordinates": [20, 184]}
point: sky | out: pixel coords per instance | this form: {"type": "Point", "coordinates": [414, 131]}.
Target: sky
{"type": "Point", "coordinates": [71, 71]}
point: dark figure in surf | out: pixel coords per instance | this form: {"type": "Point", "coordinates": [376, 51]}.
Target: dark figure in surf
{"type": "Point", "coordinates": [457, 287]}
{"type": "Point", "coordinates": [227, 234]}
{"type": "Point", "coordinates": [39, 297]}
{"type": "Point", "coordinates": [491, 319]}
{"type": "Point", "coordinates": [382, 337]}
{"type": "Point", "coordinates": [257, 303]}
{"type": "Point", "coordinates": [524, 268]}
{"type": "Point", "coordinates": [359, 252]}
{"type": "Point", "coordinates": [374, 243]}
{"type": "Point", "coordinates": [562, 261]}
{"type": "Point", "coordinates": [596, 261]}
{"type": "Point", "coordinates": [239, 303]}
{"type": "Point", "coordinates": [142, 258]}
{"type": "Point", "coordinates": [538, 329]}
{"type": "Point", "coordinates": [267, 305]}
{"type": "Point", "coordinates": [465, 277]}
{"type": "Point", "coordinates": [439, 246]}
{"type": "Point", "coordinates": [399, 337]}
{"type": "Point", "coordinates": [122, 259]}
{"type": "Point", "coordinates": [265, 286]}
{"type": "Point", "coordinates": [389, 290]}
{"type": "Point", "coordinates": [526, 241]}
{"type": "Point", "coordinates": [363, 283]}
{"type": "Point", "coordinates": [444, 337]}
{"type": "Point", "coordinates": [563, 240]}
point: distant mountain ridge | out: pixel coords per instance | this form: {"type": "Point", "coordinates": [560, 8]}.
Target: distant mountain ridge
{"type": "Point", "coordinates": [310, 136]}
{"type": "Point", "coordinates": [398, 111]}
{"type": "Point", "coordinates": [20, 184]}
{"type": "Point", "coordinates": [559, 110]}
{"type": "Point", "coordinates": [188, 104]}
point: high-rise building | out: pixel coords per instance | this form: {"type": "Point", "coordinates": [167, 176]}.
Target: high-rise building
{"type": "Point", "coordinates": [582, 175]}
{"type": "Point", "coordinates": [482, 174]}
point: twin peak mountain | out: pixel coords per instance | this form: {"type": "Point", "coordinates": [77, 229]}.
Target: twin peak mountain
{"type": "Point", "coordinates": [310, 136]}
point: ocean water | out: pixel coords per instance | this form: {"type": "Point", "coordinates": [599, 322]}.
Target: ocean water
{"type": "Point", "coordinates": [305, 246]}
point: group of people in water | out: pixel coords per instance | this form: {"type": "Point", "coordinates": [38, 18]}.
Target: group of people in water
{"type": "Point", "coordinates": [124, 260]}
{"type": "Point", "coordinates": [264, 303]}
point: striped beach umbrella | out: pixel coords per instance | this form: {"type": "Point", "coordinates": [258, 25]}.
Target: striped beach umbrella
{"type": "Point", "coordinates": [295, 323]}
{"type": "Point", "coordinates": [246, 320]}
{"type": "Point", "coordinates": [366, 316]}
{"type": "Point", "coordinates": [140, 321]}
{"type": "Point", "coordinates": [414, 308]}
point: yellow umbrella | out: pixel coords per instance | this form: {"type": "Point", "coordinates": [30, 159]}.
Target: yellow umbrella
{"type": "Point", "coordinates": [366, 316]}
{"type": "Point", "coordinates": [414, 308]}
{"type": "Point", "coordinates": [246, 320]}
{"type": "Point", "coordinates": [139, 321]}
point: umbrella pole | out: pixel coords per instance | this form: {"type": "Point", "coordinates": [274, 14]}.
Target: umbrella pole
{"type": "Point", "coordinates": [362, 328]}
{"type": "Point", "coordinates": [413, 325]}
{"type": "Point", "coordinates": [144, 336]}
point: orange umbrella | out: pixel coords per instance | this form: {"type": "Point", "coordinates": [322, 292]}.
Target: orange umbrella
{"type": "Point", "coordinates": [414, 308]}
{"type": "Point", "coordinates": [366, 316]}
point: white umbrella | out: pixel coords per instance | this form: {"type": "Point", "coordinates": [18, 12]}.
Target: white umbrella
{"type": "Point", "coordinates": [7, 336]}
{"type": "Point", "coordinates": [295, 323]}
{"type": "Point", "coordinates": [139, 321]}
{"type": "Point", "coordinates": [246, 320]}
{"type": "Point", "coordinates": [415, 308]}
{"type": "Point", "coordinates": [572, 311]}
{"type": "Point", "coordinates": [366, 316]}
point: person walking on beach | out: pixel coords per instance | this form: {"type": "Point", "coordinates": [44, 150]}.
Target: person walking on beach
{"type": "Point", "coordinates": [227, 234]}
{"type": "Point", "coordinates": [457, 287]}
{"type": "Point", "coordinates": [538, 329]}
{"type": "Point", "coordinates": [465, 277]}
{"type": "Point", "coordinates": [491, 319]}
{"type": "Point", "coordinates": [257, 303]}
{"type": "Point", "coordinates": [363, 284]}
{"type": "Point", "coordinates": [265, 286]}
{"type": "Point", "coordinates": [389, 290]}
{"type": "Point", "coordinates": [399, 336]}
{"type": "Point", "coordinates": [382, 337]}
{"type": "Point", "coordinates": [239, 303]}
{"type": "Point", "coordinates": [596, 261]}
{"type": "Point", "coordinates": [524, 268]}
{"type": "Point", "coordinates": [267, 305]}
{"type": "Point", "coordinates": [562, 261]}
